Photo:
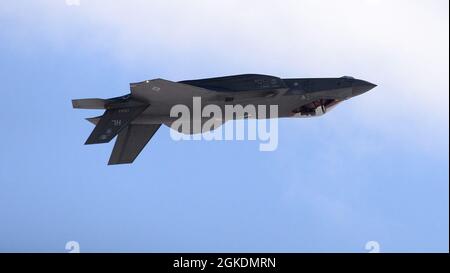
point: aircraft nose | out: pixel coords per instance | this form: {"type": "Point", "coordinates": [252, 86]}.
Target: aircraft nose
{"type": "Point", "coordinates": [360, 87]}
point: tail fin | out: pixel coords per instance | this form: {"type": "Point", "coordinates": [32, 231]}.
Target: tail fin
{"type": "Point", "coordinates": [130, 141]}
{"type": "Point", "coordinates": [112, 122]}
{"type": "Point", "coordinates": [120, 111]}
{"type": "Point", "coordinates": [116, 120]}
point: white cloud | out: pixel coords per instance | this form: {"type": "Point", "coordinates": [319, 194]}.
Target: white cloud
{"type": "Point", "coordinates": [400, 45]}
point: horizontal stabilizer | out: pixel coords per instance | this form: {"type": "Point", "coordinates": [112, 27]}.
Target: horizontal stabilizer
{"type": "Point", "coordinates": [89, 103]}
{"type": "Point", "coordinates": [130, 142]}
{"type": "Point", "coordinates": [112, 122]}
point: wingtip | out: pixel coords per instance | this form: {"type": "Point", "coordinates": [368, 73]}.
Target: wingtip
{"type": "Point", "coordinates": [112, 162]}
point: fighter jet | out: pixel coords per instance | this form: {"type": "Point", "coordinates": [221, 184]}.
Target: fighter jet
{"type": "Point", "coordinates": [134, 118]}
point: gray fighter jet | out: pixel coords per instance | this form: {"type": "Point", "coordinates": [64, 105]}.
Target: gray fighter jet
{"type": "Point", "coordinates": [136, 117]}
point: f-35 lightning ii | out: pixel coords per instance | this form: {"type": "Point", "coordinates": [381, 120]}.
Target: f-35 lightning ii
{"type": "Point", "coordinates": [136, 117]}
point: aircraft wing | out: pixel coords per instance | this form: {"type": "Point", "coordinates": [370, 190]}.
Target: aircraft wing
{"type": "Point", "coordinates": [130, 142]}
{"type": "Point", "coordinates": [160, 90]}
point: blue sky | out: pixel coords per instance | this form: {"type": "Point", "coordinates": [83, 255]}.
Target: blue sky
{"type": "Point", "coordinates": [375, 168]}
